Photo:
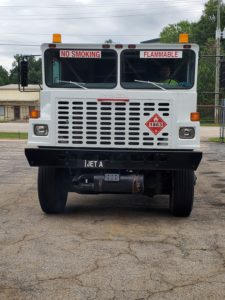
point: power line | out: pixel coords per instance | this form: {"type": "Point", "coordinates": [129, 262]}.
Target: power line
{"type": "Point", "coordinates": [139, 9]}
{"type": "Point", "coordinates": [154, 11]}
{"type": "Point", "coordinates": [141, 6]}
{"type": "Point", "coordinates": [81, 18]}
{"type": "Point", "coordinates": [24, 45]}
{"type": "Point", "coordinates": [78, 18]}
{"type": "Point", "coordinates": [86, 15]}
{"type": "Point", "coordinates": [73, 35]}
{"type": "Point", "coordinates": [91, 5]}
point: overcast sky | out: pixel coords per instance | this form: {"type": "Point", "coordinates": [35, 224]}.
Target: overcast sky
{"type": "Point", "coordinates": [25, 24]}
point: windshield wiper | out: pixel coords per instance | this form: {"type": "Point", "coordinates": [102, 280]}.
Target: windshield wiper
{"type": "Point", "coordinates": [151, 82]}
{"type": "Point", "coordinates": [73, 82]}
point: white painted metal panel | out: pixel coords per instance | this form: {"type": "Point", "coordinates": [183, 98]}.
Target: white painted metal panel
{"type": "Point", "coordinates": [91, 123]}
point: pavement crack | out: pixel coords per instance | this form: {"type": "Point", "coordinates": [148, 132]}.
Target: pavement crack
{"type": "Point", "coordinates": [177, 286]}
{"type": "Point", "coordinates": [25, 239]}
{"type": "Point", "coordinates": [131, 252]}
{"type": "Point", "coordinates": [221, 255]}
{"type": "Point", "coordinates": [20, 240]}
{"type": "Point", "coordinates": [3, 287]}
{"type": "Point", "coordinates": [74, 278]}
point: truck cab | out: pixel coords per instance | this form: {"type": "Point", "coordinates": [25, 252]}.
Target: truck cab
{"type": "Point", "coordinates": [116, 118]}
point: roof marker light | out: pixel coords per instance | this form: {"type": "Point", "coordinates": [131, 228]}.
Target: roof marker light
{"type": "Point", "coordinates": [118, 46]}
{"type": "Point", "coordinates": [187, 46]}
{"type": "Point", "coordinates": [105, 46]}
{"type": "Point", "coordinates": [183, 38]}
{"type": "Point", "coordinates": [56, 38]}
{"type": "Point", "coordinates": [131, 46]}
{"type": "Point", "coordinates": [52, 45]}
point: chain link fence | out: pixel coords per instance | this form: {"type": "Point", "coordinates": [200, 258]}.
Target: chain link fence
{"type": "Point", "coordinates": [222, 121]}
{"type": "Point", "coordinates": [208, 113]}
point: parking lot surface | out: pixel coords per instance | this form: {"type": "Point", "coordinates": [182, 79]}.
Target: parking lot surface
{"type": "Point", "coordinates": [107, 246]}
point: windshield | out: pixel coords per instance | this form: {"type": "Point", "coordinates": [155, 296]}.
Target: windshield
{"type": "Point", "coordinates": [157, 69]}
{"type": "Point", "coordinates": [72, 68]}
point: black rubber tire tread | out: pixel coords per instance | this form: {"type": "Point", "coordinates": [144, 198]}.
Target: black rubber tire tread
{"type": "Point", "coordinates": [52, 191]}
{"type": "Point", "coordinates": [182, 193]}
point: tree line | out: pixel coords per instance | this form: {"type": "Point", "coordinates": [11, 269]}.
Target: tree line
{"type": "Point", "coordinates": [12, 76]}
{"type": "Point", "coordinates": [203, 33]}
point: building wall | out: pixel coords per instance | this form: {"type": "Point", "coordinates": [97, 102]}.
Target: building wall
{"type": "Point", "coordinates": [15, 95]}
{"type": "Point", "coordinates": [24, 109]}
{"type": "Point", "coordinates": [15, 103]}
{"type": "Point", "coordinates": [2, 113]}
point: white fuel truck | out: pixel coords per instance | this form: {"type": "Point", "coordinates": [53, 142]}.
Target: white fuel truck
{"type": "Point", "coordinates": [111, 122]}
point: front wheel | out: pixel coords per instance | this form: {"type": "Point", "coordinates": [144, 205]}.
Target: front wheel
{"type": "Point", "coordinates": [52, 189]}
{"type": "Point", "coordinates": [182, 193]}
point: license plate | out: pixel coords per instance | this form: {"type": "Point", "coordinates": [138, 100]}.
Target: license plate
{"type": "Point", "coordinates": [93, 164]}
{"type": "Point", "coordinates": [112, 177]}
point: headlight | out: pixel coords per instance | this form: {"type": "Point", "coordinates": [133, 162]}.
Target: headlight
{"type": "Point", "coordinates": [41, 129]}
{"type": "Point", "coordinates": [187, 132]}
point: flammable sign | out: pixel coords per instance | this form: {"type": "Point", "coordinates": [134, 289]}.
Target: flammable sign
{"type": "Point", "coordinates": [156, 124]}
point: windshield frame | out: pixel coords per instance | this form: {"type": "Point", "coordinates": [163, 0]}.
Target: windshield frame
{"type": "Point", "coordinates": [73, 86]}
{"type": "Point", "coordinates": [155, 85]}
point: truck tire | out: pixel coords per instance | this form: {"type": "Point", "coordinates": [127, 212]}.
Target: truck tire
{"type": "Point", "coordinates": [52, 190]}
{"type": "Point", "coordinates": [182, 193]}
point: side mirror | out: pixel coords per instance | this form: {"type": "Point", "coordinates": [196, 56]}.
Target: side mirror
{"type": "Point", "coordinates": [24, 73]}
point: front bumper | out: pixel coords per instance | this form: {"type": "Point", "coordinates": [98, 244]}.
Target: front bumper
{"type": "Point", "coordinates": [113, 159]}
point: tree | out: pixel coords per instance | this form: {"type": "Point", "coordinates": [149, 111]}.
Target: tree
{"type": "Point", "coordinates": [170, 33]}
{"type": "Point", "coordinates": [34, 66]}
{"type": "Point", "coordinates": [109, 41]}
{"type": "Point", "coordinates": [205, 28]}
{"type": "Point", "coordinates": [206, 73]}
{"type": "Point", "coordinates": [4, 76]}
{"type": "Point", "coordinates": [202, 33]}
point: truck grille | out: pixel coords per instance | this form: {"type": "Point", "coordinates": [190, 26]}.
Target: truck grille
{"type": "Point", "coordinates": [89, 123]}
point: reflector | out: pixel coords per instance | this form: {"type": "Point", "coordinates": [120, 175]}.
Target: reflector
{"type": "Point", "coordinates": [34, 114]}
{"type": "Point", "coordinates": [195, 116]}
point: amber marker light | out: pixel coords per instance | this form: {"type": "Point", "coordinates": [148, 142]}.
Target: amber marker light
{"type": "Point", "coordinates": [195, 116]}
{"type": "Point", "coordinates": [56, 38]}
{"type": "Point", "coordinates": [34, 114]}
{"type": "Point", "coordinates": [183, 38]}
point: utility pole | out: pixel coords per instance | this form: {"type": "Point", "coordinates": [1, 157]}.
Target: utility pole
{"type": "Point", "coordinates": [217, 75]}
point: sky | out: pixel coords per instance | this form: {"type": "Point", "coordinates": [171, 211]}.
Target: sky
{"type": "Point", "coordinates": [26, 24]}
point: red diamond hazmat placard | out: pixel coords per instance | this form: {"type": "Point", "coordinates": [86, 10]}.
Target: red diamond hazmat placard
{"type": "Point", "coordinates": [156, 124]}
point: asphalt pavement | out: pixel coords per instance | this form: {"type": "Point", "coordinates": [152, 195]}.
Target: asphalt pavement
{"type": "Point", "coordinates": [110, 246]}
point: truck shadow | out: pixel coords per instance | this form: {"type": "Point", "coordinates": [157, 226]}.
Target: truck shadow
{"type": "Point", "coordinates": [117, 205]}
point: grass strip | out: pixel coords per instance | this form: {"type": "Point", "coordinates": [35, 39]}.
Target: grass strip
{"type": "Point", "coordinates": [14, 135]}
{"type": "Point", "coordinates": [209, 125]}
{"type": "Point", "coordinates": [216, 140]}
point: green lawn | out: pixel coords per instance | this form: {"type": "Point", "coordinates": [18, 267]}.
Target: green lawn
{"type": "Point", "coordinates": [210, 124]}
{"type": "Point", "coordinates": [14, 135]}
{"type": "Point", "coordinates": [215, 140]}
